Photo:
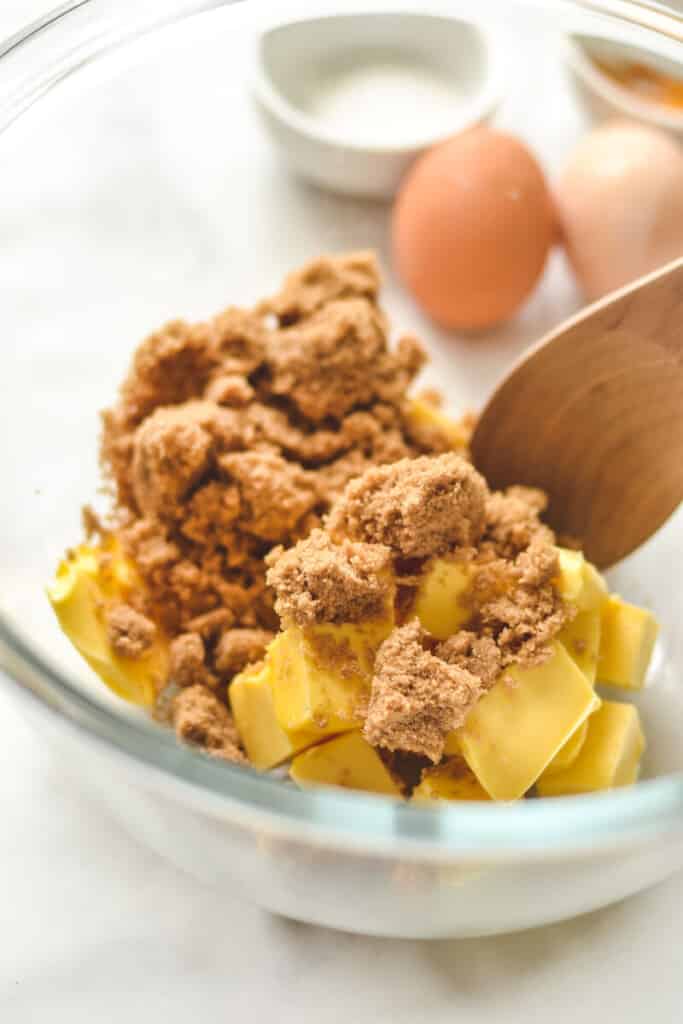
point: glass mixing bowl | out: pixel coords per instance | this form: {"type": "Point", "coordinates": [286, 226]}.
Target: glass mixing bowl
{"type": "Point", "coordinates": [136, 187]}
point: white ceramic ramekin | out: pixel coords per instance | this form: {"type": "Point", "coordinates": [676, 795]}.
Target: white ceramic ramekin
{"type": "Point", "coordinates": [290, 59]}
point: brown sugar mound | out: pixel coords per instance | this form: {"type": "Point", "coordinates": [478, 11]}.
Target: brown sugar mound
{"type": "Point", "coordinates": [417, 698]}
{"type": "Point", "coordinates": [201, 719]}
{"type": "Point", "coordinates": [418, 507]}
{"type": "Point", "coordinates": [318, 581]}
{"type": "Point", "coordinates": [232, 436]}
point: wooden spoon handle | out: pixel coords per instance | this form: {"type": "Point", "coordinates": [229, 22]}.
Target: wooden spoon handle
{"type": "Point", "coordinates": [594, 416]}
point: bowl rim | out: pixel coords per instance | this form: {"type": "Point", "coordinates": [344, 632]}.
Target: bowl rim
{"type": "Point", "coordinates": [473, 112]}
{"type": "Point", "coordinates": [38, 57]}
{"type": "Point", "coordinates": [623, 100]}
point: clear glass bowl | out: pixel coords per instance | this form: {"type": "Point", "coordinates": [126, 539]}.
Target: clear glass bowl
{"type": "Point", "coordinates": [138, 187]}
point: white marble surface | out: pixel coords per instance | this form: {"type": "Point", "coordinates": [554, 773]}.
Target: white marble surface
{"type": "Point", "coordinates": [96, 928]}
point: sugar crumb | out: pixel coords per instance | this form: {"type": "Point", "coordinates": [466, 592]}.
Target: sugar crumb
{"type": "Point", "coordinates": [418, 507]}
{"type": "Point", "coordinates": [201, 719]}
{"type": "Point", "coordinates": [320, 581]}
{"type": "Point", "coordinates": [130, 633]}
{"type": "Point", "coordinates": [238, 648]}
{"type": "Point", "coordinates": [417, 698]}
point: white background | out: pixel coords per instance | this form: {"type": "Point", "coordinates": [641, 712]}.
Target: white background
{"type": "Point", "coordinates": [93, 928]}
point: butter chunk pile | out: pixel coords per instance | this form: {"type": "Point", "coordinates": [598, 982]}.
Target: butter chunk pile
{"type": "Point", "coordinates": [436, 624]}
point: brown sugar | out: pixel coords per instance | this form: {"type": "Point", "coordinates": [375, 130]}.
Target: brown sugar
{"type": "Point", "coordinates": [171, 451]}
{"type": "Point", "coordinates": [337, 360]}
{"type": "Point", "coordinates": [322, 281]}
{"type": "Point", "coordinates": [319, 581]}
{"type": "Point", "coordinates": [479, 655]}
{"type": "Point", "coordinates": [528, 612]}
{"type": "Point", "coordinates": [513, 520]}
{"type": "Point", "coordinates": [232, 436]}
{"type": "Point", "coordinates": [130, 633]}
{"type": "Point", "coordinates": [417, 698]}
{"type": "Point", "coordinates": [279, 440]}
{"type": "Point", "coordinates": [238, 648]}
{"type": "Point", "coordinates": [201, 719]}
{"type": "Point", "coordinates": [187, 667]}
{"type": "Point", "coordinates": [418, 507]}
{"type": "Point", "coordinates": [230, 389]}
{"type": "Point", "coordinates": [274, 495]}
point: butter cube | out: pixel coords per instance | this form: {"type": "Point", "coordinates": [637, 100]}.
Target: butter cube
{"type": "Point", "coordinates": [579, 582]}
{"type": "Point", "coordinates": [265, 741]}
{"type": "Point", "coordinates": [610, 756]}
{"type": "Point", "coordinates": [452, 746]}
{"type": "Point", "coordinates": [594, 592]}
{"type": "Point", "coordinates": [567, 754]}
{"type": "Point", "coordinates": [626, 644]}
{"type": "Point", "coordinates": [439, 603]}
{"type": "Point", "coordinates": [451, 780]}
{"type": "Point", "coordinates": [516, 729]}
{"type": "Point", "coordinates": [581, 637]}
{"type": "Point", "coordinates": [347, 761]}
{"type": "Point", "coordinates": [85, 583]}
{"type": "Point", "coordinates": [321, 675]}
{"type": "Point", "coordinates": [570, 579]}
{"type": "Point", "coordinates": [424, 414]}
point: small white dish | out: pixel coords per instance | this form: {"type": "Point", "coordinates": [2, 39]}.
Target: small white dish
{"type": "Point", "coordinates": [350, 100]}
{"type": "Point", "coordinates": [603, 96]}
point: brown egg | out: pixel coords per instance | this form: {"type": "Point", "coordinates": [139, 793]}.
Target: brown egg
{"type": "Point", "coordinates": [620, 201]}
{"type": "Point", "coordinates": [472, 226]}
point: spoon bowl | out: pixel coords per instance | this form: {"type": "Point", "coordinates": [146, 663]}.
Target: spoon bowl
{"type": "Point", "coordinates": [593, 415]}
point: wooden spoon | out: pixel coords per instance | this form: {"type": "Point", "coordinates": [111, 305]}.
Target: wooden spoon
{"type": "Point", "coordinates": [593, 414]}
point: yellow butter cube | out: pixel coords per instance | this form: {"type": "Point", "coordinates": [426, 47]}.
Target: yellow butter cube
{"type": "Point", "coordinates": [85, 583]}
{"type": "Point", "coordinates": [424, 414]}
{"type": "Point", "coordinates": [516, 729]}
{"type": "Point", "coordinates": [321, 675]}
{"type": "Point", "coordinates": [581, 637]}
{"type": "Point", "coordinates": [626, 643]}
{"type": "Point", "coordinates": [609, 757]}
{"type": "Point", "coordinates": [452, 744]}
{"type": "Point", "coordinates": [594, 592]}
{"type": "Point", "coordinates": [452, 780]}
{"type": "Point", "coordinates": [567, 754]}
{"type": "Point", "coordinates": [347, 761]}
{"type": "Point", "coordinates": [265, 741]}
{"type": "Point", "coordinates": [440, 601]}
{"type": "Point", "coordinates": [570, 579]}
{"type": "Point", "coordinates": [579, 582]}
